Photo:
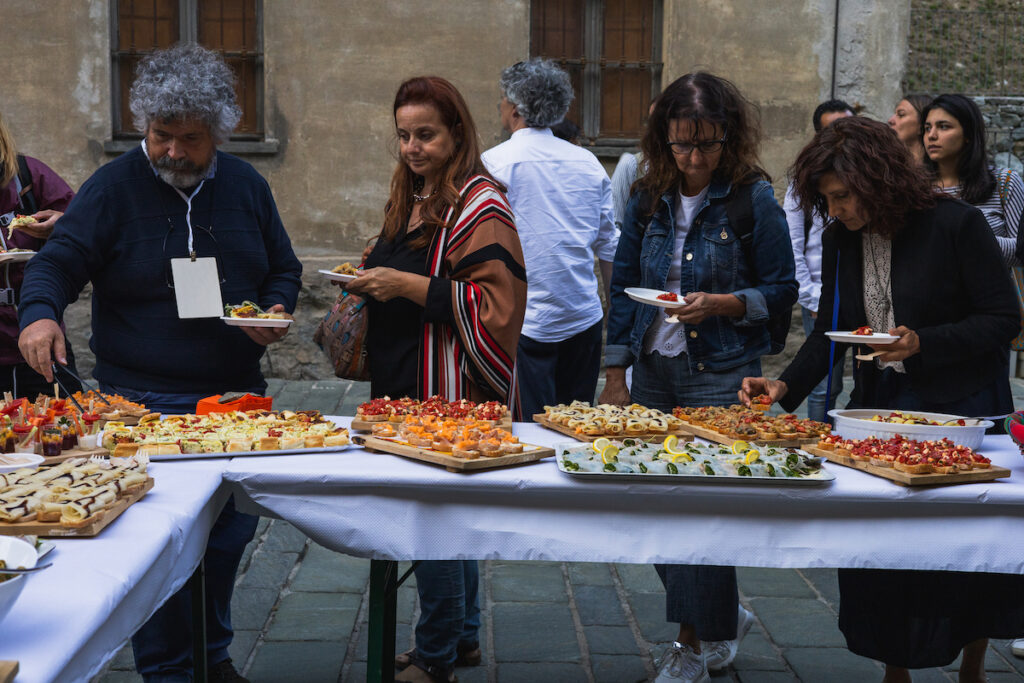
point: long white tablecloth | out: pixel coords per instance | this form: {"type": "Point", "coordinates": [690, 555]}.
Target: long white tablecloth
{"type": "Point", "coordinates": [387, 507]}
{"type": "Point", "coordinates": [71, 618]}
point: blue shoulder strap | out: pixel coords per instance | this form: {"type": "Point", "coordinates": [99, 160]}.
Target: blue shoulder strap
{"type": "Point", "coordinates": [832, 344]}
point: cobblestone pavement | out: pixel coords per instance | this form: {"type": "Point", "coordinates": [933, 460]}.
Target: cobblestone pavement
{"type": "Point", "coordinates": [300, 611]}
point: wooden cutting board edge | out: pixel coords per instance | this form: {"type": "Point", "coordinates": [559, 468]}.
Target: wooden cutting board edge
{"type": "Point", "coordinates": [451, 463]}
{"type": "Point", "coordinates": [907, 479]}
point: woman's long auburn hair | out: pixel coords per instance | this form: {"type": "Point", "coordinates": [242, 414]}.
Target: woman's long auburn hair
{"type": "Point", "coordinates": [977, 182]}
{"type": "Point", "coordinates": [8, 155]}
{"type": "Point", "coordinates": [464, 162]}
{"type": "Point", "coordinates": [705, 100]}
{"type": "Point", "coordinates": [873, 164]}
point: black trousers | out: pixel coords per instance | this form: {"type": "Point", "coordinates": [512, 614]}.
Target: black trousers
{"type": "Point", "coordinates": [549, 373]}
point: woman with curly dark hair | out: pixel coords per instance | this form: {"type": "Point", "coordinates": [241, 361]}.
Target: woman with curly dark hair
{"type": "Point", "coordinates": [925, 268]}
{"type": "Point", "coordinates": [703, 224]}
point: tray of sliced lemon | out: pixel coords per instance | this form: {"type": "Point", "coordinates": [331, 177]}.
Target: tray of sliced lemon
{"type": "Point", "coordinates": [672, 460]}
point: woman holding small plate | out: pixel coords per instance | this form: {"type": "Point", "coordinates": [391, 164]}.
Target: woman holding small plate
{"type": "Point", "coordinates": [927, 270]}
{"type": "Point", "coordinates": [702, 225]}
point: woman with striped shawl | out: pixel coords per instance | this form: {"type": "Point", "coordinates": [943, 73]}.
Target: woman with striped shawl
{"type": "Point", "coordinates": [446, 289]}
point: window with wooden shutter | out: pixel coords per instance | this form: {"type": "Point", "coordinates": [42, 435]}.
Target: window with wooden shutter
{"type": "Point", "coordinates": [612, 51]}
{"type": "Point", "coordinates": [231, 27]}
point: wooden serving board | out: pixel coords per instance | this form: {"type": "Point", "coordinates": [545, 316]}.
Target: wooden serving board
{"type": "Point", "coordinates": [8, 670]}
{"type": "Point", "coordinates": [540, 419]}
{"type": "Point", "coordinates": [365, 426]}
{"type": "Point", "coordinates": [94, 526]}
{"type": "Point", "coordinates": [451, 463]}
{"type": "Point", "coordinates": [74, 453]}
{"type": "Point", "coordinates": [908, 479]}
{"type": "Point", "coordinates": [716, 437]}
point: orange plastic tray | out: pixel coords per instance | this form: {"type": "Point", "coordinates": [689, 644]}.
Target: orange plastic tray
{"type": "Point", "coordinates": [212, 404]}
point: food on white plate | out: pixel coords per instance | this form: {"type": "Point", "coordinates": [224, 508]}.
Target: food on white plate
{"type": "Point", "coordinates": [234, 431]}
{"type": "Point", "coordinates": [248, 309]}
{"type": "Point", "coordinates": [20, 221]}
{"type": "Point", "coordinates": [345, 268]}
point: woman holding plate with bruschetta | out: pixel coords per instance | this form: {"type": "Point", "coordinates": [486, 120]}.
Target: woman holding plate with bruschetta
{"type": "Point", "coordinates": [702, 224]}
{"type": "Point", "coordinates": [446, 290]}
{"type": "Point", "coordinates": [925, 269]}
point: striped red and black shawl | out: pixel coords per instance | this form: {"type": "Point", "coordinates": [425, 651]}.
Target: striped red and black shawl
{"type": "Point", "coordinates": [480, 253]}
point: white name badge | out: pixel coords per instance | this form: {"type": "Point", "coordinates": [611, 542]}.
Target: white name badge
{"type": "Point", "coordinates": [197, 287]}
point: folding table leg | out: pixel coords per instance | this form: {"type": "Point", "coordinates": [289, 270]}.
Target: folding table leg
{"type": "Point", "coordinates": [197, 586]}
{"type": "Point", "coordinates": [380, 656]}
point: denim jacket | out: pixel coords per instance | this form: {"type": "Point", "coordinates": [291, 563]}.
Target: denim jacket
{"type": "Point", "coordinates": [714, 262]}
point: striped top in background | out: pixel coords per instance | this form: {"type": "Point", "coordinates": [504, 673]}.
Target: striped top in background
{"type": "Point", "coordinates": [1002, 210]}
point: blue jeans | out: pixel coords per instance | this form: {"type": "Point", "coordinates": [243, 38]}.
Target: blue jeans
{"type": "Point", "coordinates": [816, 399]}
{"type": "Point", "coordinates": [558, 372]}
{"type": "Point", "coordinates": [449, 610]}
{"type": "Point", "coordinates": [705, 597]}
{"type": "Point", "coordinates": [163, 646]}
{"type": "Point", "coordinates": [664, 383]}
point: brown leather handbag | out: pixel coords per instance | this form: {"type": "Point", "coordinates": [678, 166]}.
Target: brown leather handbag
{"type": "Point", "coordinates": [342, 335]}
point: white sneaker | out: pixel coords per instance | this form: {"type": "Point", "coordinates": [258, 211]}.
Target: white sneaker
{"type": "Point", "coordinates": [680, 664]}
{"type": "Point", "coordinates": [1017, 648]}
{"type": "Point", "coordinates": [719, 653]}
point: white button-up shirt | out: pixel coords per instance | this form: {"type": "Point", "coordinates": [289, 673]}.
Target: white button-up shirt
{"type": "Point", "coordinates": [562, 200]}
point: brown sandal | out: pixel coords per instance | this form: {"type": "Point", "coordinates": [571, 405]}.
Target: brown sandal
{"type": "Point", "coordinates": [465, 656]}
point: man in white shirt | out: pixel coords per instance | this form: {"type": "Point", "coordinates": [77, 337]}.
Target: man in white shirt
{"type": "Point", "coordinates": [561, 197]}
{"type": "Point", "coordinates": [805, 234]}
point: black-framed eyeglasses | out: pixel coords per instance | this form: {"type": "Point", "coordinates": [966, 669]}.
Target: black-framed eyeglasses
{"type": "Point", "coordinates": [199, 230]}
{"type": "Point", "coordinates": [705, 146]}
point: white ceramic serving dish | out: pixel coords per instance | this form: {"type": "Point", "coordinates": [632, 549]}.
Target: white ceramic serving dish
{"type": "Point", "coordinates": [857, 424]}
{"type": "Point", "coordinates": [16, 553]}
{"type": "Point", "coordinates": [32, 459]}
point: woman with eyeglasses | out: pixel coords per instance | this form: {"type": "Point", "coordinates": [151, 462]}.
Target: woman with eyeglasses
{"type": "Point", "coordinates": [924, 267]}
{"type": "Point", "coordinates": [446, 292]}
{"type": "Point", "coordinates": [702, 223]}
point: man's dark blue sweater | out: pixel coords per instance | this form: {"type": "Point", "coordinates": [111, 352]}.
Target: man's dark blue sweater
{"type": "Point", "coordinates": [121, 231]}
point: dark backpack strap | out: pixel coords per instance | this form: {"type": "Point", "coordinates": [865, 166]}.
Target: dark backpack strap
{"type": "Point", "coordinates": [739, 208]}
{"type": "Point", "coordinates": [27, 201]}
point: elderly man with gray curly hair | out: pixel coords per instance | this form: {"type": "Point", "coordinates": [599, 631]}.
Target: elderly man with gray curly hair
{"type": "Point", "coordinates": [562, 200]}
{"type": "Point", "coordinates": [140, 229]}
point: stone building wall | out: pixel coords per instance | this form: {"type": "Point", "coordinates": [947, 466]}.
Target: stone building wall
{"type": "Point", "coordinates": [1004, 122]}
{"type": "Point", "coordinates": [331, 69]}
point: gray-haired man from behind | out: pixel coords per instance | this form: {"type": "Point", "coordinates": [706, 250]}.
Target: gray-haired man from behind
{"type": "Point", "coordinates": [562, 200]}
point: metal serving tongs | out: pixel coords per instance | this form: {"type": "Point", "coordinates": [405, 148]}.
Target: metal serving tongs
{"type": "Point", "coordinates": [86, 385]}
{"type": "Point", "coordinates": [56, 378]}
{"type": "Point", "coordinates": [26, 571]}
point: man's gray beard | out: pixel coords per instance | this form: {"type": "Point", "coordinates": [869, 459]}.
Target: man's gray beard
{"type": "Point", "coordinates": [186, 176]}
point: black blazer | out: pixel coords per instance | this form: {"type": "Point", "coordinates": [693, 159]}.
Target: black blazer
{"type": "Point", "coordinates": [949, 284]}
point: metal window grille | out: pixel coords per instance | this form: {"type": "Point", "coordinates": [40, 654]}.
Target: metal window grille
{"type": "Point", "coordinates": [232, 27]}
{"type": "Point", "coordinates": [612, 51]}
